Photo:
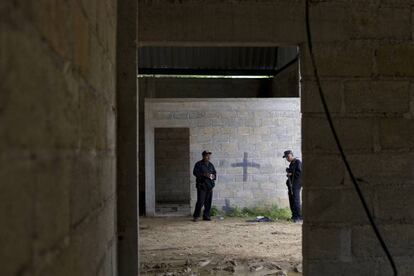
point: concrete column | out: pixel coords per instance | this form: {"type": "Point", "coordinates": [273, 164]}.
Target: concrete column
{"type": "Point", "coordinates": [127, 135]}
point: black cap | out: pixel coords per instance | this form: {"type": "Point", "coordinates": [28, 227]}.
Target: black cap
{"type": "Point", "coordinates": [286, 153]}
{"type": "Point", "coordinates": [206, 152]}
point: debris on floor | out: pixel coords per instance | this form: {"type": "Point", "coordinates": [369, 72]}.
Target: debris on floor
{"type": "Point", "coordinates": [261, 219]}
{"type": "Point", "coordinates": [298, 268]}
{"type": "Point", "coordinates": [179, 247]}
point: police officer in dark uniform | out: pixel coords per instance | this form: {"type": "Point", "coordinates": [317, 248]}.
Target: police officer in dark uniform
{"type": "Point", "coordinates": [205, 174]}
{"type": "Point", "coordinates": [294, 183]}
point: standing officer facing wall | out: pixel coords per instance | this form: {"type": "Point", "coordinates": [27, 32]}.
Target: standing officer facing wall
{"type": "Point", "coordinates": [294, 183]}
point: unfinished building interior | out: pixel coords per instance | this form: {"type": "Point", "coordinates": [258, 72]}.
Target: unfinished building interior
{"type": "Point", "coordinates": [74, 165]}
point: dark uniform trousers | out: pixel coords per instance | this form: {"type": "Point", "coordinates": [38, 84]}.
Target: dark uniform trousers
{"type": "Point", "coordinates": [204, 198]}
{"type": "Point", "coordinates": [294, 202]}
{"type": "Point", "coordinates": [295, 167]}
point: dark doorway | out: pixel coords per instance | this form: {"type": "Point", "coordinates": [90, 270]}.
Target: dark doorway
{"type": "Point", "coordinates": [172, 173]}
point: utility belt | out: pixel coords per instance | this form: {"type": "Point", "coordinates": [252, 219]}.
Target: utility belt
{"type": "Point", "coordinates": [294, 185]}
{"type": "Point", "coordinates": [206, 185]}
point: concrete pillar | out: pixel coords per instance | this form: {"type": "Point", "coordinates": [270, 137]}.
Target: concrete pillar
{"type": "Point", "coordinates": [127, 135]}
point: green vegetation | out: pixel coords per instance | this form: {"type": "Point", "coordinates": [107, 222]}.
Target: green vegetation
{"type": "Point", "coordinates": [273, 212]}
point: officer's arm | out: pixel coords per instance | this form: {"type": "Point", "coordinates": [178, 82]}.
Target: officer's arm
{"type": "Point", "coordinates": [197, 171]}
{"type": "Point", "coordinates": [214, 172]}
{"type": "Point", "coordinates": [298, 169]}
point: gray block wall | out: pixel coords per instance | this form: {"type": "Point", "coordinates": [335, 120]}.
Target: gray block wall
{"type": "Point", "coordinates": [172, 158]}
{"type": "Point", "coordinates": [235, 129]}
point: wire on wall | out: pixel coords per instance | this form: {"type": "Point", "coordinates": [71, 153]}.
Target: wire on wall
{"type": "Point", "coordinates": [339, 145]}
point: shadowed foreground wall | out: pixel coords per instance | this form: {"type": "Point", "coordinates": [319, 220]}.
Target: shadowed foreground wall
{"type": "Point", "coordinates": [57, 138]}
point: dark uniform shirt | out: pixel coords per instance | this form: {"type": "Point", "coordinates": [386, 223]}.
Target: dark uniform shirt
{"type": "Point", "coordinates": [295, 167]}
{"type": "Point", "coordinates": [199, 171]}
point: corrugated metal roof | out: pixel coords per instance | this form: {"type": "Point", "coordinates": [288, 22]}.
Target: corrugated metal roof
{"type": "Point", "coordinates": [193, 59]}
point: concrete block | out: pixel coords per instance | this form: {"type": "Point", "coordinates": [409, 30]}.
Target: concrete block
{"type": "Point", "coordinates": [244, 130]}
{"type": "Point", "coordinates": [327, 243]}
{"type": "Point", "coordinates": [229, 148]}
{"type": "Point", "coordinates": [204, 123]}
{"type": "Point", "coordinates": [268, 186]}
{"type": "Point", "coordinates": [228, 114]}
{"type": "Point", "coordinates": [383, 169]}
{"type": "Point", "coordinates": [330, 168]}
{"type": "Point", "coordinates": [228, 130]}
{"type": "Point", "coordinates": [399, 239]}
{"type": "Point", "coordinates": [160, 115]}
{"type": "Point", "coordinates": [325, 267]}
{"type": "Point", "coordinates": [196, 114]}
{"type": "Point", "coordinates": [356, 134]}
{"type": "Point", "coordinates": [202, 139]}
{"type": "Point", "coordinates": [333, 206]}
{"type": "Point", "coordinates": [260, 178]}
{"type": "Point", "coordinates": [311, 102]}
{"type": "Point", "coordinates": [236, 122]}
{"type": "Point", "coordinates": [245, 114]}
{"type": "Point", "coordinates": [266, 168]}
{"type": "Point", "coordinates": [180, 115]}
{"type": "Point", "coordinates": [225, 194]}
{"type": "Point", "coordinates": [392, 203]}
{"type": "Point", "coordinates": [377, 97]}
{"type": "Point", "coordinates": [252, 122]}
{"type": "Point", "coordinates": [261, 130]}
{"type": "Point", "coordinates": [244, 195]}
{"type": "Point", "coordinates": [240, 178]}
{"type": "Point", "coordinates": [340, 21]}
{"type": "Point", "coordinates": [340, 59]}
{"type": "Point", "coordinates": [221, 138]}
{"type": "Point", "coordinates": [211, 130]}
{"type": "Point", "coordinates": [224, 178]}
{"type": "Point", "coordinates": [396, 133]}
{"type": "Point", "coordinates": [394, 60]}
{"type": "Point", "coordinates": [212, 114]}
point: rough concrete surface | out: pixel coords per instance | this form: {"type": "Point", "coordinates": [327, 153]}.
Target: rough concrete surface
{"type": "Point", "coordinates": [182, 247]}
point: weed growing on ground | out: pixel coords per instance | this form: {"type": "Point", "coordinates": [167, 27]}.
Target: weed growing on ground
{"type": "Point", "coordinates": [273, 212]}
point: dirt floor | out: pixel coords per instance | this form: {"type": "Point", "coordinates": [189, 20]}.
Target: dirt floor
{"type": "Point", "coordinates": [224, 246]}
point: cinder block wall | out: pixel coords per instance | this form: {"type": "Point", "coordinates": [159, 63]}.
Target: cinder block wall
{"type": "Point", "coordinates": [172, 158]}
{"type": "Point", "coordinates": [260, 128]}
{"type": "Point", "coordinates": [364, 52]}
{"type": "Point", "coordinates": [285, 85]}
{"type": "Point", "coordinates": [57, 130]}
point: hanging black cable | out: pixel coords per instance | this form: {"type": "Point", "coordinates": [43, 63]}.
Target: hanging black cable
{"type": "Point", "coordinates": [340, 148]}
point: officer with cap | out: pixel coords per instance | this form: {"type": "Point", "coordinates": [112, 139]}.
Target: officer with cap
{"type": "Point", "coordinates": [294, 183]}
{"type": "Point", "coordinates": [205, 174]}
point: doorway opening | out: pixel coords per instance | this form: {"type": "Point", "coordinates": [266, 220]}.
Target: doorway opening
{"type": "Point", "coordinates": [172, 178]}
{"type": "Point", "coordinates": [243, 105]}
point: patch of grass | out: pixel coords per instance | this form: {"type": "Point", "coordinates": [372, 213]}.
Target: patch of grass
{"type": "Point", "coordinates": [237, 212]}
{"type": "Point", "coordinates": [273, 212]}
{"type": "Point", "coordinates": [215, 211]}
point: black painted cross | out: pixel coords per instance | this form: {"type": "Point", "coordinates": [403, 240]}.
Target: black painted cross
{"type": "Point", "coordinates": [245, 164]}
